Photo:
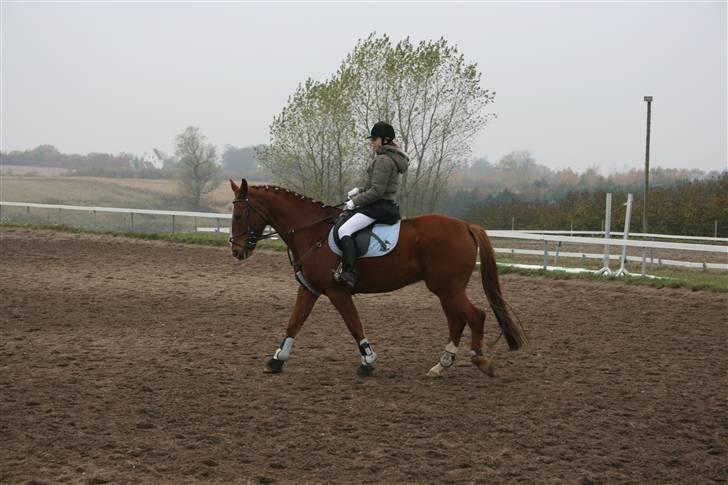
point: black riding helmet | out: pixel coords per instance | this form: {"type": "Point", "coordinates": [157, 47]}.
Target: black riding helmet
{"type": "Point", "coordinates": [382, 129]}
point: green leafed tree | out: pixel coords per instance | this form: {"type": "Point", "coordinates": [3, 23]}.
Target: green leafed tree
{"type": "Point", "coordinates": [428, 92]}
{"type": "Point", "coordinates": [198, 170]}
{"type": "Point", "coordinates": [314, 141]}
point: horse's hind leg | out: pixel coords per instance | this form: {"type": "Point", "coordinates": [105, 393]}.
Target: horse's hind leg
{"type": "Point", "coordinates": [456, 325]}
{"type": "Point", "coordinates": [476, 321]}
{"type": "Point", "coordinates": [460, 311]}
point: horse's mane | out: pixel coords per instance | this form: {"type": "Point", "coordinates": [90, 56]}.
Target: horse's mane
{"type": "Point", "coordinates": [292, 193]}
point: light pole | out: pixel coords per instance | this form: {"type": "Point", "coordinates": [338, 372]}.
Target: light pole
{"type": "Point", "coordinates": [648, 99]}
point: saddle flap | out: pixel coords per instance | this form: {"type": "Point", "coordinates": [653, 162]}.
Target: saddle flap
{"type": "Point", "coordinates": [372, 241]}
{"type": "Point", "coordinates": [361, 238]}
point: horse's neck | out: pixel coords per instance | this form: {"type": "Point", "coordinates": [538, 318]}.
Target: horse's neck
{"type": "Point", "coordinates": [288, 213]}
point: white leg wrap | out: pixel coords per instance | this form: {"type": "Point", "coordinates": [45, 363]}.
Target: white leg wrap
{"type": "Point", "coordinates": [368, 356]}
{"type": "Point", "coordinates": [284, 351]}
{"type": "Point", "coordinates": [448, 357]}
{"type": "Point", "coordinates": [446, 360]}
{"type": "Point", "coordinates": [451, 347]}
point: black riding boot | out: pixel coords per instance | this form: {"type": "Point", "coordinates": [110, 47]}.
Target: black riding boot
{"type": "Point", "coordinates": [348, 274]}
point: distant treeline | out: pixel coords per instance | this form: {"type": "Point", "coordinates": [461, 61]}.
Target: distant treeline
{"type": "Point", "coordinates": [49, 156]}
{"type": "Point", "coordinates": [243, 162]}
{"type": "Point", "coordinates": [685, 208]}
{"type": "Point", "coordinates": [518, 173]}
{"type": "Point", "coordinates": [235, 162]}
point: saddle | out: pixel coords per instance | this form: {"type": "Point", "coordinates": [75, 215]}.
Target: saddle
{"type": "Point", "coordinates": [372, 241]}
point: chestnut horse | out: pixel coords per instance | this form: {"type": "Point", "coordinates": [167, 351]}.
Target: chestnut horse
{"type": "Point", "coordinates": [440, 250]}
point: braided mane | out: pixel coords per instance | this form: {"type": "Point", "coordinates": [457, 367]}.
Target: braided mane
{"type": "Point", "coordinates": [283, 191]}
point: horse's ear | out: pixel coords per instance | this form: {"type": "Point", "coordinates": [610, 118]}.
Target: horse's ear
{"type": "Point", "coordinates": [243, 188]}
{"type": "Point", "coordinates": [234, 186]}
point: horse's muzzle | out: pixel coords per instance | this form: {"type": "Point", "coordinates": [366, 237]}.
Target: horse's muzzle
{"type": "Point", "coordinates": [242, 251]}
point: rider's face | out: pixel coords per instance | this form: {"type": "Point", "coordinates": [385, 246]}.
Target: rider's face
{"type": "Point", "coordinates": [376, 143]}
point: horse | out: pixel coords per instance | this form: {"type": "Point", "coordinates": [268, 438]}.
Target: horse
{"type": "Point", "coordinates": [438, 249]}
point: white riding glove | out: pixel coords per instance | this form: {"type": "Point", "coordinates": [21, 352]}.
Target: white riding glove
{"type": "Point", "coordinates": [350, 205]}
{"type": "Point", "coordinates": [353, 192]}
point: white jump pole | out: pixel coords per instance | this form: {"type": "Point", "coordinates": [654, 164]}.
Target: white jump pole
{"type": "Point", "coordinates": [622, 270]}
{"type": "Point", "coordinates": [607, 226]}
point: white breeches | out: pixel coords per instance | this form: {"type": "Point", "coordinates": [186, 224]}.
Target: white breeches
{"type": "Point", "coordinates": [355, 223]}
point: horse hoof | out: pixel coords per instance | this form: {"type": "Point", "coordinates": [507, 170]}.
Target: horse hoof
{"type": "Point", "coordinates": [273, 366]}
{"type": "Point", "coordinates": [365, 371]}
{"type": "Point", "coordinates": [488, 369]}
{"type": "Point", "coordinates": [436, 371]}
{"type": "Point", "coordinates": [484, 364]}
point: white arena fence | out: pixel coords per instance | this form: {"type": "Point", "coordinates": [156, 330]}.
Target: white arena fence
{"type": "Point", "coordinates": [219, 222]}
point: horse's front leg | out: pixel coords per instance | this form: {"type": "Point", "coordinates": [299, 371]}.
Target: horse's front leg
{"type": "Point", "coordinates": [305, 300]}
{"type": "Point", "coordinates": [341, 299]}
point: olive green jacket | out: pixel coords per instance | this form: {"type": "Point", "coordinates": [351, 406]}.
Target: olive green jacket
{"type": "Point", "coordinates": [383, 176]}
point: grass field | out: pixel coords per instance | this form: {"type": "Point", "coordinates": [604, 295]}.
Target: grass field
{"type": "Point", "coordinates": [667, 277]}
{"type": "Point", "coordinates": [32, 171]}
{"type": "Point", "coordinates": [108, 192]}
{"type": "Point", "coordinates": [133, 193]}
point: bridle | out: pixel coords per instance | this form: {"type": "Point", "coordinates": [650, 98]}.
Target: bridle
{"type": "Point", "coordinates": [253, 237]}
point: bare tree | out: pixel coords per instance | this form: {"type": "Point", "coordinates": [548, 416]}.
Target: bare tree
{"type": "Point", "coordinates": [198, 170]}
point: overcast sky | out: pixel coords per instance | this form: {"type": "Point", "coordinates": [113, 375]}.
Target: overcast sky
{"type": "Point", "coordinates": [569, 77]}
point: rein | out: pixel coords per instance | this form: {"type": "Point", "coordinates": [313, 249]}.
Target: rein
{"type": "Point", "coordinates": [254, 237]}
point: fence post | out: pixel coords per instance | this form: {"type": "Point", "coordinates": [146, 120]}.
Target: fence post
{"type": "Point", "coordinates": [218, 224]}
{"type": "Point", "coordinates": [60, 216]}
{"type": "Point", "coordinates": [27, 214]}
{"type": "Point", "coordinates": [172, 224]}
{"type": "Point", "coordinates": [545, 254]}
{"type": "Point", "coordinates": [195, 219]}
{"type": "Point", "coordinates": [132, 221]}
{"type": "Point", "coordinates": [556, 256]}
{"type": "Point", "coordinates": [94, 213]}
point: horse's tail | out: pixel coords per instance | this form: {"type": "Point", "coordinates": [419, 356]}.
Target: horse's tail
{"type": "Point", "coordinates": [489, 275]}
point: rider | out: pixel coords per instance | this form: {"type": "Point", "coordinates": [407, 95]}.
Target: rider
{"type": "Point", "coordinates": [375, 202]}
